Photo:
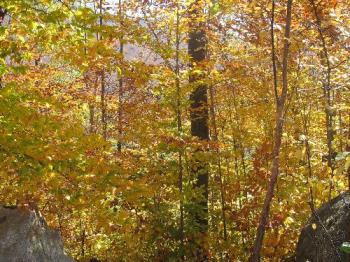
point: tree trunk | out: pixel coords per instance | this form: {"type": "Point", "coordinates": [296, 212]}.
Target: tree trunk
{"type": "Point", "coordinates": [199, 124]}
{"type": "Point", "coordinates": [255, 257]}
{"type": "Point", "coordinates": [348, 149]}
{"type": "Point", "coordinates": [3, 12]}
{"type": "Point", "coordinates": [103, 88]}
{"type": "Point", "coordinates": [327, 96]}
{"type": "Point", "coordinates": [217, 151]}
{"type": "Point", "coordinates": [120, 89]}
{"type": "Point", "coordinates": [179, 129]}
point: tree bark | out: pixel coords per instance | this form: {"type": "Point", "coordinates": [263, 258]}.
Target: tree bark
{"type": "Point", "coordinates": [255, 257]}
{"type": "Point", "coordinates": [199, 124]}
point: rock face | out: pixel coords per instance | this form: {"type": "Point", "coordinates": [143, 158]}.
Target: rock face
{"type": "Point", "coordinates": [25, 237]}
{"type": "Point", "coordinates": [326, 230]}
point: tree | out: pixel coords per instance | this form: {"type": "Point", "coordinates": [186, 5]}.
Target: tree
{"type": "Point", "coordinates": [280, 118]}
{"type": "Point", "coordinates": [123, 172]}
{"type": "Point", "coordinates": [199, 121]}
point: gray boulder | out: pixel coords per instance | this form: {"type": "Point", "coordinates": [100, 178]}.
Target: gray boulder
{"type": "Point", "coordinates": [326, 230]}
{"type": "Point", "coordinates": [25, 237]}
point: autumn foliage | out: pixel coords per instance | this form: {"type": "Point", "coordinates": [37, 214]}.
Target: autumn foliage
{"type": "Point", "coordinates": [96, 109]}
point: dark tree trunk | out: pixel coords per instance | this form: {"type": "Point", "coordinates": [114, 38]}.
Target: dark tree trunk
{"type": "Point", "coordinates": [3, 13]}
{"type": "Point", "coordinates": [199, 124]}
{"type": "Point", "coordinates": [120, 90]}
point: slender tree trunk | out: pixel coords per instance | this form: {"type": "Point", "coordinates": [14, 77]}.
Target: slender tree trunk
{"type": "Point", "coordinates": [348, 149]}
{"type": "Point", "coordinates": [212, 111]}
{"type": "Point", "coordinates": [255, 257]}
{"type": "Point", "coordinates": [103, 106]}
{"type": "Point", "coordinates": [217, 151]}
{"type": "Point", "coordinates": [92, 106]}
{"type": "Point", "coordinates": [273, 51]}
{"type": "Point", "coordinates": [308, 156]}
{"type": "Point", "coordinates": [88, 86]}
{"type": "Point", "coordinates": [82, 239]}
{"type": "Point", "coordinates": [327, 95]}
{"type": "Point", "coordinates": [199, 123]}
{"type": "Point", "coordinates": [91, 118]}
{"type": "Point", "coordinates": [120, 90]}
{"type": "Point", "coordinates": [3, 13]}
{"type": "Point", "coordinates": [179, 128]}
{"type": "Point", "coordinates": [103, 87]}
{"type": "Point", "coordinates": [341, 131]}
{"type": "Point", "coordinates": [238, 147]}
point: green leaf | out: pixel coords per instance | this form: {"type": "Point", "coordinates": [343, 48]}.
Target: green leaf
{"type": "Point", "coordinates": [215, 9]}
{"type": "Point", "coordinates": [345, 247]}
